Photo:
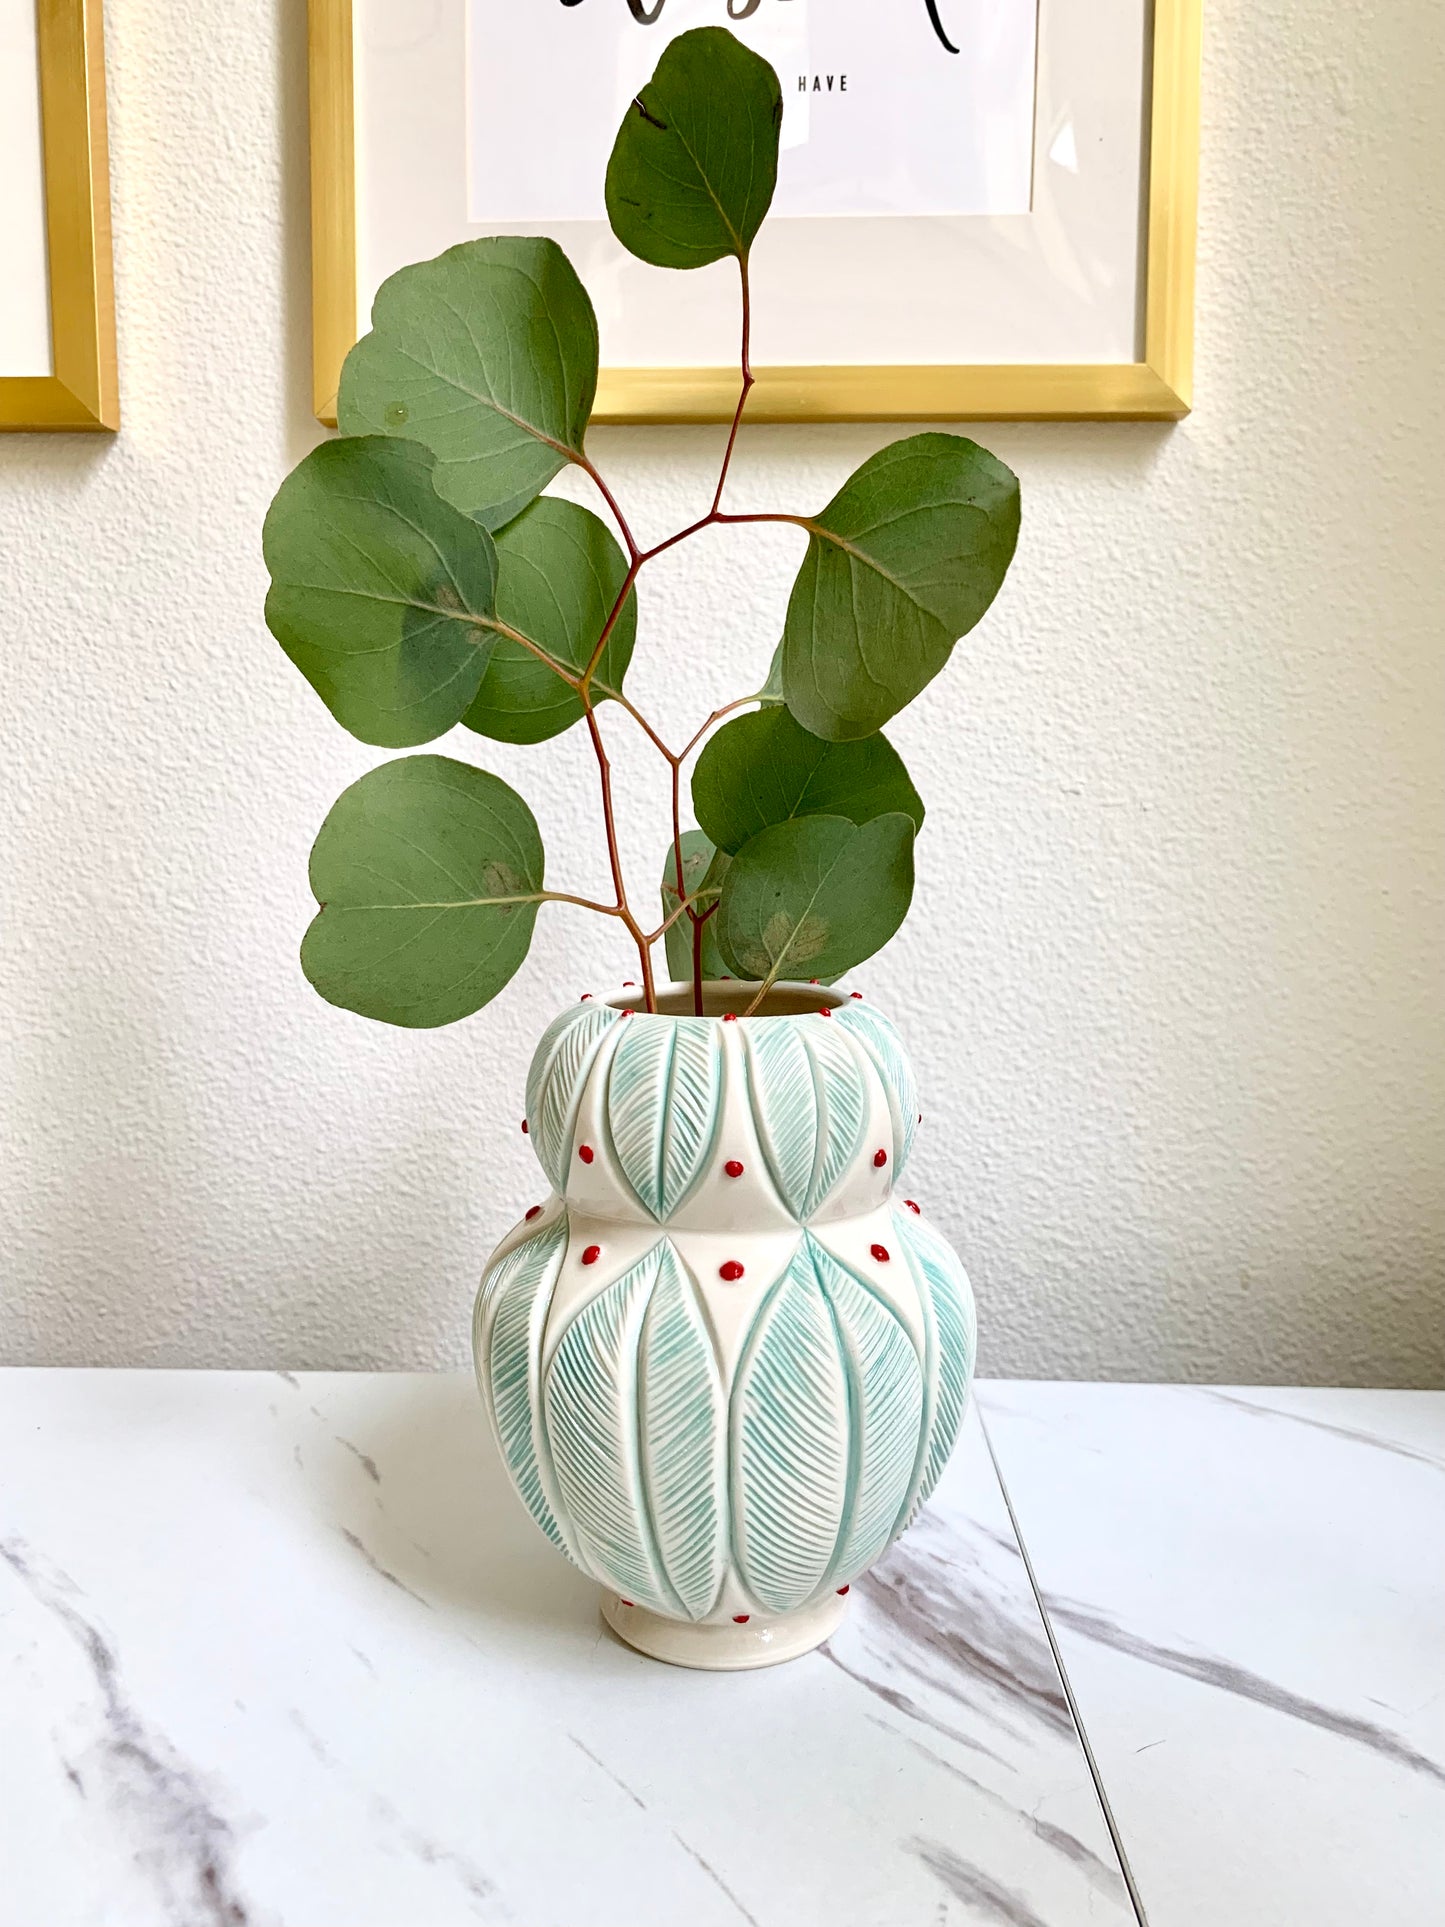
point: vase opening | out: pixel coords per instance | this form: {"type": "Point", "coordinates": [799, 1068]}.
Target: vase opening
{"type": "Point", "coordinates": [729, 996]}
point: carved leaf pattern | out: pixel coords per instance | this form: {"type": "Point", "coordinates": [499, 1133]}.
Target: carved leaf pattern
{"type": "Point", "coordinates": [951, 1328]}
{"type": "Point", "coordinates": [594, 1424]}
{"type": "Point", "coordinates": [684, 1437]}
{"type": "Point", "coordinates": [663, 1096]}
{"type": "Point", "coordinates": [881, 1041]}
{"type": "Point", "coordinates": [885, 1397]}
{"type": "Point", "coordinates": [810, 1097]}
{"type": "Point", "coordinates": [515, 1297]}
{"type": "Point", "coordinates": [790, 1443]}
{"type": "Point", "coordinates": [555, 1080]}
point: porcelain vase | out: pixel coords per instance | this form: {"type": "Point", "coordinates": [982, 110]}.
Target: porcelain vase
{"type": "Point", "coordinates": [727, 1358]}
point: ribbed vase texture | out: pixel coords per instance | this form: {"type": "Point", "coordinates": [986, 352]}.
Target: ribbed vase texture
{"type": "Point", "coordinates": [725, 1362]}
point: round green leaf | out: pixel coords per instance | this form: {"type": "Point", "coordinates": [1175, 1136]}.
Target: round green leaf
{"type": "Point", "coordinates": [765, 768]}
{"type": "Point", "coordinates": [814, 897]}
{"type": "Point", "coordinates": [772, 690]}
{"type": "Point", "coordinates": [488, 354]}
{"type": "Point", "coordinates": [703, 869]}
{"type": "Point", "coordinates": [379, 589]}
{"type": "Point", "coordinates": [428, 873]}
{"type": "Point", "coordinates": [695, 162]}
{"type": "Point", "coordinates": [903, 561]}
{"type": "Point", "coordinates": [559, 574]}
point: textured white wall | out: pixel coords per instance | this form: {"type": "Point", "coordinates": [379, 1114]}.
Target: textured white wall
{"type": "Point", "coordinates": [1173, 980]}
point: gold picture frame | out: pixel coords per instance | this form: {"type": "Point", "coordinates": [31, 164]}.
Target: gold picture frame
{"type": "Point", "coordinates": [1157, 388]}
{"type": "Point", "coordinates": [81, 393]}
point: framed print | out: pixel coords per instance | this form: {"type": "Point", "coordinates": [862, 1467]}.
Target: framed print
{"type": "Point", "coordinates": [57, 316]}
{"type": "Point", "coordinates": [985, 208]}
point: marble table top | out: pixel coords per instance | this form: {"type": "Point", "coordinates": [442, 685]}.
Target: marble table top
{"type": "Point", "coordinates": [284, 1651]}
{"type": "Point", "coordinates": [1247, 1590]}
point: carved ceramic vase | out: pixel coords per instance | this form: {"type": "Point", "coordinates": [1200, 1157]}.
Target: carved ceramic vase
{"type": "Point", "coordinates": [726, 1361]}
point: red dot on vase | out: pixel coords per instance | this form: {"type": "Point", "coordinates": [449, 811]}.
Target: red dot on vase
{"type": "Point", "coordinates": [880, 1158]}
{"type": "Point", "coordinates": [587, 997]}
{"type": "Point", "coordinates": [857, 997]}
{"type": "Point", "coordinates": [526, 1127]}
{"type": "Point", "coordinates": [730, 1272]}
{"type": "Point", "coordinates": [734, 1167]}
{"type": "Point", "coordinates": [920, 1117]}
{"type": "Point", "coordinates": [825, 1012]}
{"type": "Point", "coordinates": [627, 984]}
{"type": "Point", "coordinates": [730, 1017]}
{"type": "Point", "coordinates": [726, 977]}
{"type": "Point", "coordinates": [629, 1013]}
{"type": "Point", "coordinates": [535, 1212]}
{"type": "Point", "coordinates": [880, 1252]}
{"type": "Point", "coordinates": [815, 980]}
{"type": "Point", "coordinates": [841, 1591]}
{"type": "Point", "coordinates": [624, 1602]}
{"type": "Point", "coordinates": [591, 1254]}
{"type": "Point", "coordinates": [741, 1619]}
{"type": "Point", "coordinates": [913, 1207]}
{"type": "Point", "coordinates": [586, 1153]}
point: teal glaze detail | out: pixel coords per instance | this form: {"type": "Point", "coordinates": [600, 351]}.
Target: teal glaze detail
{"type": "Point", "coordinates": [885, 1402]}
{"type": "Point", "coordinates": [663, 1087]}
{"type": "Point", "coordinates": [810, 1103]}
{"type": "Point", "coordinates": [723, 1371]}
{"type": "Point", "coordinates": [683, 1434]}
{"type": "Point", "coordinates": [951, 1326]}
{"type": "Point", "coordinates": [594, 1420]}
{"type": "Point", "coordinates": [790, 1443]}
{"type": "Point", "coordinates": [826, 1417]}
{"type": "Point", "coordinates": [555, 1080]}
{"type": "Point", "coordinates": [512, 1305]}
{"type": "Point", "coordinates": [878, 1037]}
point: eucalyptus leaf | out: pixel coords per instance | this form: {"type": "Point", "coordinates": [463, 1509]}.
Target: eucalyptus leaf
{"type": "Point", "coordinates": [428, 873]}
{"type": "Point", "coordinates": [379, 588]}
{"type": "Point", "coordinates": [704, 869]}
{"type": "Point", "coordinates": [559, 574]}
{"type": "Point", "coordinates": [814, 897]}
{"type": "Point", "coordinates": [765, 768]}
{"type": "Point", "coordinates": [488, 354]}
{"type": "Point", "coordinates": [903, 561]}
{"type": "Point", "coordinates": [771, 692]}
{"type": "Point", "coordinates": [695, 162]}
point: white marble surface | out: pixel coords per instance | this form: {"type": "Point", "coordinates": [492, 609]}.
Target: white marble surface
{"type": "Point", "coordinates": [284, 1652]}
{"type": "Point", "coordinates": [1248, 1592]}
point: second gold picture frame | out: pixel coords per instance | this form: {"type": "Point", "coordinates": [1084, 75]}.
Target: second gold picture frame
{"type": "Point", "coordinates": [388, 94]}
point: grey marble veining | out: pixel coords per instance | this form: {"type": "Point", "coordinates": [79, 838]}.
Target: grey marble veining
{"type": "Point", "coordinates": [284, 1651]}
{"type": "Point", "coordinates": [1247, 1588]}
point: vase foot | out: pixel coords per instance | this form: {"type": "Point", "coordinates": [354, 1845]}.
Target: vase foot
{"type": "Point", "coordinates": [763, 1639]}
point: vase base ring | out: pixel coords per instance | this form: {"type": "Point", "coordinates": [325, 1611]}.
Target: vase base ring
{"type": "Point", "coordinates": [764, 1639]}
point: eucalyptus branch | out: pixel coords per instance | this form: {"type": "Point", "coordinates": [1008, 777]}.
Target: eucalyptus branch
{"type": "Point", "coordinates": [764, 987]}
{"type": "Point", "coordinates": [747, 387]}
{"type": "Point", "coordinates": [599, 482]}
{"type": "Point", "coordinates": [604, 771]}
{"type": "Point", "coordinates": [582, 903]}
{"type": "Point", "coordinates": [501, 628]}
{"type": "Point", "coordinates": [381, 583]}
{"type": "Point", "coordinates": [687, 908]}
{"type": "Point", "coordinates": [738, 702]}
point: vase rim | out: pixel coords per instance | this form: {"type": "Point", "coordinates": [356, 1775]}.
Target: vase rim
{"type": "Point", "coordinates": [728, 997]}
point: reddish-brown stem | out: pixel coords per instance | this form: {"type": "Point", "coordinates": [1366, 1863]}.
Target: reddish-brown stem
{"type": "Point", "coordinates": [614, 857]}
{"type": "Point", "coordinates": [637, 557]}
{"type": "Point", "coordinates": [747, 387]}
{"type": "Point", "coordinates": [697, 928]}
{"type": "Point", "coordinates": [611, 623]}
{"type": "Point", "coordinates": [611, 500]}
